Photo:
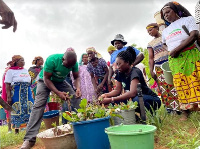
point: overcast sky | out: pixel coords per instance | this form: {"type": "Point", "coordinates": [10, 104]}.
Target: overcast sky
{"type": "Point", "coordinates": [51, 26]}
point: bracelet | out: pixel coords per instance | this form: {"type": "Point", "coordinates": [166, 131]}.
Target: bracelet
{"type": "Point", "coordinates": [112, 100]}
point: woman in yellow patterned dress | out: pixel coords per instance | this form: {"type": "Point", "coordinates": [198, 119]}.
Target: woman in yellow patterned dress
{"type": "Point", "coordinates": [184, 59]}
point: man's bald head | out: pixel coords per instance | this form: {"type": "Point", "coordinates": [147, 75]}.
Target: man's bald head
{"type": "Point", "coordinates": [69, 59]}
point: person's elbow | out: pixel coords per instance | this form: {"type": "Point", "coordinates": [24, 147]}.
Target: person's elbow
{"type": "Point", "coordinates": [141, 56]}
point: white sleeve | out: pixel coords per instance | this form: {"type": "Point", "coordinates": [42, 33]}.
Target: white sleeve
{"type": "Point", "coordinates": [8, 77]}
{"type": "Point", "coordinates": [191, 24]}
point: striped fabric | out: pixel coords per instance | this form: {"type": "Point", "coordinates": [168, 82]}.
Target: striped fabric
{"type": "Point", "coordinates": [197, 12]}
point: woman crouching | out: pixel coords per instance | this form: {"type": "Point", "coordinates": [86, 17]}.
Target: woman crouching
{"type": "Point", "coordinates": [127, 78]}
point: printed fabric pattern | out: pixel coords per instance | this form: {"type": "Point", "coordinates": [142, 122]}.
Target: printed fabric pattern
{"type": "Point", "coordinates": [22, 103]}
{"type": "Point", "coordinates": [186, 76]}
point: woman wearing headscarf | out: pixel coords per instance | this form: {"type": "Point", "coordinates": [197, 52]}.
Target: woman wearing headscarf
{"type": "Point", "coordinates": [98, 69]}
{"type": "Point", "coordinates": [86, 85]}
{"type": "Point", "coordinates": [184, 56]}
{"type": "Point", "coordinates": [157, 56]}
{"type": "Point", "coordinates": [19, 96]}
{"type": "Point", "coordinates": [111, 49]}
{"type": "Point", "coordinates": [34, 73]}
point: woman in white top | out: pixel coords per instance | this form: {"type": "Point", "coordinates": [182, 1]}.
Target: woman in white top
{"type": "Point", "coordinates": [184, 56]}
{"type": "Point", "coordinates": [19, 96]}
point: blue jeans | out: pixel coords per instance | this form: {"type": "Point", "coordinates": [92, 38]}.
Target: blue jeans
{"type": "Point", "coordinates": [149, 101]}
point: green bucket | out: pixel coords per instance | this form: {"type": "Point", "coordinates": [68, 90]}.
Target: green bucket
{"type": "Point", "coordinates": [167, 73]}
{"type": "Point", "coordinates": [131, 136]}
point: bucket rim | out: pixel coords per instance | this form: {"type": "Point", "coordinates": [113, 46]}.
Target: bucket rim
{"type": "Point", "coordinates": [128, 133]}
{"type": "Point", "coordinates": [54, 114]}
{"type": "Point", "coordinates": [90, 121]}
{"type": "Point", "coordinates": [163, 68]}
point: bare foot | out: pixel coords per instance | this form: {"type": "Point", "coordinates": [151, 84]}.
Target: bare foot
{"type": "Point", "coordinates": [185, 115]}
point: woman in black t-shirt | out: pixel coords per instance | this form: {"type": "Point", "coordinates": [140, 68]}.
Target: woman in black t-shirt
{"type": "Point", "coordinates": [128, 77]}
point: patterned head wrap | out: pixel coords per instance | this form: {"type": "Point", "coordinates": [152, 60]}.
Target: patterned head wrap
{"type": "Point", "coordinates": [111, 48]}
{"type": "Point", "coordinates": [15, 59]}
{"type": "Point", "coordinates": [34, 62]}
{"type": "Point", "coordinates": [177, 8]}
{"type": "Point", "coordinates": [152, 25]}
{"type": "Point", "coordinates": [98, 55]}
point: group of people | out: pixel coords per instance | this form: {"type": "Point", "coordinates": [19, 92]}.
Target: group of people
{"type": "Point", "coordinates": [27, 91]}
{"type": "Point", "coordinates": [177, 45]}
{"type": "Point", "coordinates": [19, 90]}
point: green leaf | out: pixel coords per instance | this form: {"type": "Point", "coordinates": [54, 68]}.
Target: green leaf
{"type": "Point", "coordinates": [83, 104]}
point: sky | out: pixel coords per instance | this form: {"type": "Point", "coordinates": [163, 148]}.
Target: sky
{"type": "Point", "coordinates": [48, 27]}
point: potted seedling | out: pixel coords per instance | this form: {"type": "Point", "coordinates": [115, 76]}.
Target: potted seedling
{"type": "Point", "coordinates": [127, 111]}
{"type": "Point", "coordinates": [89, 123]}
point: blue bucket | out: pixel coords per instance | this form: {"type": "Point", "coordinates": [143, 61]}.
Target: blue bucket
{"type": "Point", "coordinates": [91, 134]}
{"type": "Point", "coordinates": [51, 117]}
{"type": "Point", "coordinates": [51, 114]}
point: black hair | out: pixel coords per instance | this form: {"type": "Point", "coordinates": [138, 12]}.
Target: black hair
{"type": "Point", "coordinates": [128, 55]}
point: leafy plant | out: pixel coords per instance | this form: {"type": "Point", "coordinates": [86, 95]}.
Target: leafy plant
{"type": "Point", "coordinates": [88, 111]}
{"type": "Point", "coordinates": [122, 106]}
{"type": "Point", "coordinates": [156, 117]}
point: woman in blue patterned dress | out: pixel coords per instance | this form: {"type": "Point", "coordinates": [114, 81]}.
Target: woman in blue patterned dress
{"type": "Point", "coordinates": [19, 94]}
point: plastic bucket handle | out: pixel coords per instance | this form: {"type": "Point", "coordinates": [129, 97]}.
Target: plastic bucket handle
{"type": "Point", "coordinates": [139, 130]}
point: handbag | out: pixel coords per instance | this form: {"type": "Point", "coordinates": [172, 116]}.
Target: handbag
{"type": "Point", "coordinates": [197, 42]}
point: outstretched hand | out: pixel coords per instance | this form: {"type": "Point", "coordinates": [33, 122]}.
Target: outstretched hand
{"type": "Point", "coordinates": [8, 18]}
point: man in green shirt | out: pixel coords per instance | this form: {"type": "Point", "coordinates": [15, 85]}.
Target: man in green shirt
{"type": "Point", "coordinates": [52, 78]}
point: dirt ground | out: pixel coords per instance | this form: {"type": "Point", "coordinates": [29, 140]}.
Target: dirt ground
{"type": "Point", "coordinates": [39, 145]}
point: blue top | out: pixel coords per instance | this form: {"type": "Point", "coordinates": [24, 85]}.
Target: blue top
{"type": "Point", "coordinates": [115, 53]}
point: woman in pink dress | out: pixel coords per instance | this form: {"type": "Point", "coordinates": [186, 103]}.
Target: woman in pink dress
{"type": "Point", "coordinates": [87, 89]}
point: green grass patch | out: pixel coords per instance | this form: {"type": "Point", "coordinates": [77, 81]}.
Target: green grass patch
{"type": "Point", "coordinates": [176, 134]}
{"type": "Point", "coordinates": [10, 139]}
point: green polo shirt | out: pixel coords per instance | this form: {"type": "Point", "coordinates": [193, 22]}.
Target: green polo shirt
{"type": "Point", "coordinates": [53, 64]}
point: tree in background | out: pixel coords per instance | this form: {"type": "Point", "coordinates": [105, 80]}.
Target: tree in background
{"type": "Point", "coordinates": [145, 62]}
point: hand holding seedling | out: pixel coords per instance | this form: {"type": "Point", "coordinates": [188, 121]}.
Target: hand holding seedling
{"type": "Point", "coordinates": [63, 95]}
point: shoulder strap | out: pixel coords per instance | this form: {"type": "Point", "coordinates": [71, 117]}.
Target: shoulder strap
{"type": "Point", "coordinates": [185, 29]}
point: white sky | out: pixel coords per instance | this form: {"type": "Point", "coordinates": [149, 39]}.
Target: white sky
{"type": "Point", "coordinates": [47, 27]}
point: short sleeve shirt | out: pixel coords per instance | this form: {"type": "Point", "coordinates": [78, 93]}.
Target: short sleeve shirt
{"type": "Point", "coordinates": [99, 69]}
{"type": "Point", "coordinates": [54, 65]}
{"type": "Point", "coordinates": [20, 75]}
{"type": "Point", "coordinates": [115, 53]}
{"type": "Point", "coordinates": [174, 34]}
{"type": "Point", "coordinates": [134, 74]}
